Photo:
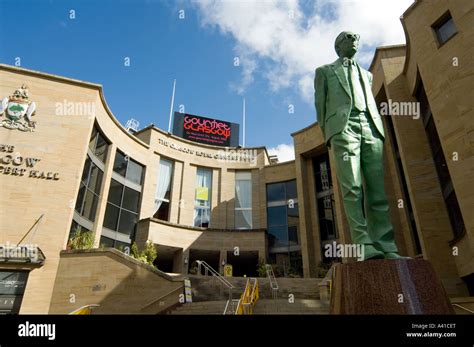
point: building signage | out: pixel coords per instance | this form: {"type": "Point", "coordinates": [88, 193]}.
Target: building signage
{"type": "Point", "coordinates": [14, 164]}
{"type": "Point", "coordinates": [228, 270]}
{"type": "Point", "coordinates": [188, 291]}
{"type": "Point", "coordinates": [225, 155]}
{"type": "Point", "coordinates": [206, 130]}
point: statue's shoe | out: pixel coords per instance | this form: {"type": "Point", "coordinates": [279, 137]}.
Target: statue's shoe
{"type": "Point", "coordinates": [370, 252]}
{"type": "Point", "coordinates": [393, 255]}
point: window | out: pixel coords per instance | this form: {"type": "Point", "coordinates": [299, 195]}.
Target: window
{"type": "Point", "coordinates": [163, 190]}
{"type": "Point", "coordinates": [282, 215]}
{"type": "Point", "coordinates": [75, 228]}
{"type": "Point", "coordinates": [444, 28]}
{"type": "Point", "coordinates": [98, 145]}
{"type": "Point", "coordinates": [202, 202]}
{"type": "Point", "coordinates": [89, 190]}
{"type": "Point", "coordinates": [324, 197]}
{"type": "Point", "coordinates": [128, 168]}
{"type": "Point", "coordinates": [107, 242]}
{"type": "Point", "coordinates": [122, 208]}
{"type": "Point", "coordinates": [449, 194]}
{"type": "Point", "coordinates": [243, 200]}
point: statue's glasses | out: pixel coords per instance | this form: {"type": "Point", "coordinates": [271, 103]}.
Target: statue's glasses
{"type": "Point", "coordinates": [354, 37]}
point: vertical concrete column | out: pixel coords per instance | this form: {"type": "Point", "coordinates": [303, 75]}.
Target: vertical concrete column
{"type": "Point", "coordinates": [186, 261]}
{"type": "Point", "coordinates": [312, 209]}
{"type": "Point", "coordinates": [102, 203]}
{"type": "Point", "coordinates": [188, 193]}
{"type": "Point", "coordinates": [257, 202]}
{"type": "Point", "coordinates": [222, 258]}
{"type": "Point", "coordinates": [305, 225]}
{"type": "Point", "coordinates": [177, 180]}
{"type": "Point", "coordinates": [216, 198]}
{"type": "Point", "coordinates": [147, 205]}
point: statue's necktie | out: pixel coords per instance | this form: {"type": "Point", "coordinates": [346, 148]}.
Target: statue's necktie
{"type": "Point", "coordinates": [356, 87]}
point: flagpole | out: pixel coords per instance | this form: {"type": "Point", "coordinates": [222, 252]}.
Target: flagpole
{"type": "Point", "coordinates": [243, 131]}
{"type": "Point", "coordinates": [171, 108]}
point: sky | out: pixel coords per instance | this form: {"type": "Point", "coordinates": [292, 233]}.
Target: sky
{"type": "Point", "coordinates": [219, 52]}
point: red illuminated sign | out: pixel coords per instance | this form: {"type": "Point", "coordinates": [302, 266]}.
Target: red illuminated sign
{"type": "Point", "coordinates": [206, 130]}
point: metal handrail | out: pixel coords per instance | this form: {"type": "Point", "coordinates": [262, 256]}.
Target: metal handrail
{"type": "Point", "coordinates": [221, 278]}
{"type": "Point", "coordinates": [464, 308]}
{"type": "Point", "coordinates": [233, 308]}
{"type": "Point", "coordinates": [163, 296]}
{"type": "Point", "coordinates": [207, 267]}
{"type": "Point", "coordinates": [272, 280]}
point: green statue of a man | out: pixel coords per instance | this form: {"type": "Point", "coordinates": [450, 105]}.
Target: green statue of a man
{"type": "Point", "coordinates": [353, 129]}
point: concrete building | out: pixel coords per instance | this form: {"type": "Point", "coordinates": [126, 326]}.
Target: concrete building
{"type": "Point", "coordinates": [71, 166]}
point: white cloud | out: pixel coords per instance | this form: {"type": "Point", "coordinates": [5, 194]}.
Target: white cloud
{"type": "Point", "coordinates": [284, 43]}
{"type": "Point", "coordinates": [283, 151]}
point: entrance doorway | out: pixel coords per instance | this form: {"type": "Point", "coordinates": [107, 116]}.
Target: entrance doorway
{"type": "Point", "coordinates": [243, 264]}
{"type": "Point", "coordinates": [12, 288]}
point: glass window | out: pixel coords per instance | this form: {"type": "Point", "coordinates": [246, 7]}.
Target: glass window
{"type": "Point", "coordinates": [115, 192]}
{"type": "Point", "coordinates": [134, 172]}
{"type": "Point", "coordinates": [93, 139]}
{"type": "Point", "coordinates": [127, 223]}
{"type": "Point", "coordinates": [80, 198]}
{"type": "Point", "coordinates": [277, 216]}
{"type": "Point", "coordinates": [275, 192]}
{"type": "Point", "coordinates": [120, 163]}
{"type": "Point", "coordinates": [131, 199]}
{"type": "Point", "coordinates": [90, 205]}
{"type": "Point", "coordinates": [291, 189]}
{"type": "Point", "coordinates": [202, 203]}
{"type": "Point", "coordinates": [98, 144]}
{"type": "Point", "coordinates": [279, 236]}
{"type": "Point", "coordinates": [111, 217]}
{"type": "Point", "coordinates": [243, 200]}
{"type": "Point", "coordinates": [243, 219]}
{"type": "Point", "coordinates": [445, 28]}
{"type": "Point", "coordinates": [88, 195]}
{"type": "Point", "coordinates": [202, 217]}
{"type": "Point", "coordinates": [101, 148]}
{"type": "Point", "coordinates": [128, 168]}
{"type": "Point", "coordinates": [95, 180]}
{"type": "Point", "coordinates": [85, 172]}
{"type": "Point", "coordinates": [106, 242]}
{"type": "Point", "coordinates": [163, 190]}
{"type": "Point", "coordinates": [282, 214]}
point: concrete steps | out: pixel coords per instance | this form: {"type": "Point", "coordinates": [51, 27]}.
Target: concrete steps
{"type": "Point", "coordinates": [282, 306]}
{"type": "Point", "coordinates": [202, 307]}
{"type": "Point", "coordinates": [210, 289]}
{"type": "Point", "coordinates": [262, 307]}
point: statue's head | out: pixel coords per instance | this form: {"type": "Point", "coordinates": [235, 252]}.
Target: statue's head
{"type": "Point", "coordinates": [346, 44]}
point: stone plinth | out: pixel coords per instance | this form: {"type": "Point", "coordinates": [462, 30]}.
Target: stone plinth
{"type": "Point", "coordinates": [406, 286]}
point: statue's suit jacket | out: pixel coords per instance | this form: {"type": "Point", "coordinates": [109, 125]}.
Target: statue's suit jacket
{"type": "Point", "coordinates": [333, 99]}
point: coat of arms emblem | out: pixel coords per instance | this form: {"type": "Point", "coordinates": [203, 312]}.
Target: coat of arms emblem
{"type": "Point", "coordinates": [16, 111]}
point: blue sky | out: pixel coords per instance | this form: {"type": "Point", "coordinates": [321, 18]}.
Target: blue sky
{"type": "Point", "coordinates": [276, 58]}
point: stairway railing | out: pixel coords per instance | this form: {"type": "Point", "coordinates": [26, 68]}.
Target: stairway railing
{"type": "Point", "coordinates": [272, 280]}
{"type": "Point", "coordinates": [208, 269]}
